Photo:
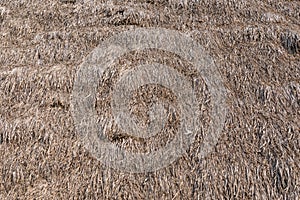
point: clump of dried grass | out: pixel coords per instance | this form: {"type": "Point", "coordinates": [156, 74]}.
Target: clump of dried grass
{"type": "Point", "coordinates": [256, 45]}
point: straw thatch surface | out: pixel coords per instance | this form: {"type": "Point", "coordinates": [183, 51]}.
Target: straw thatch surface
{"type": "Point", "coordinates": [255, 43]}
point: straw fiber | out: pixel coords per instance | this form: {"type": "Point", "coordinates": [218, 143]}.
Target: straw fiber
{"type": "Point", "coordinates": [256, 46]}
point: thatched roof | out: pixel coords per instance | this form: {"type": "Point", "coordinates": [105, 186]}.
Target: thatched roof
{"type": "Point", "coordinates": [256, 46]}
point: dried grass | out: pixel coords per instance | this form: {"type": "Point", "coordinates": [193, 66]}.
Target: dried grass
{"type": "Point", "coordinates": [255, 43]}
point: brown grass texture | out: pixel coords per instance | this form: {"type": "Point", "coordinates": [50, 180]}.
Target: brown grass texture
{"type": "Point", "coordinates": [256, 45]}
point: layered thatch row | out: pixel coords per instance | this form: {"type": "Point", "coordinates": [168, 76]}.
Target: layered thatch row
{"type": "Point", "coordinates": [256, 45]}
